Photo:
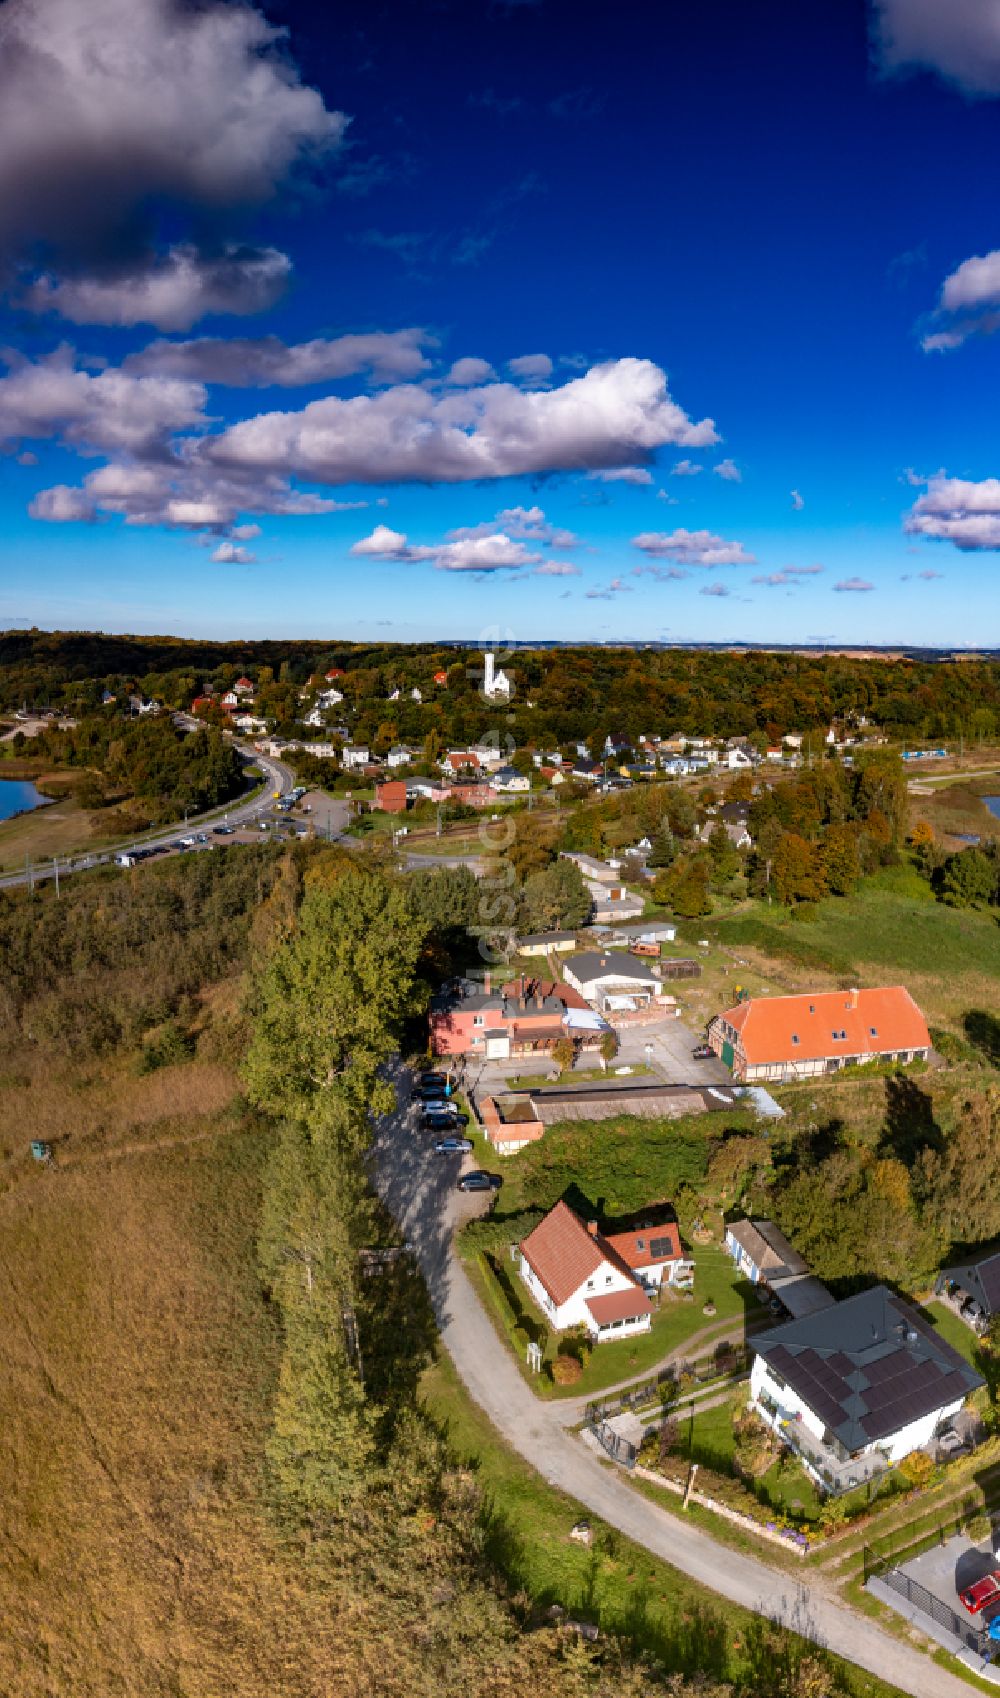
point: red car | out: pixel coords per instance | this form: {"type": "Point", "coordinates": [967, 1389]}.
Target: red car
{"type": "Point", "coordinates": [983, 1592]}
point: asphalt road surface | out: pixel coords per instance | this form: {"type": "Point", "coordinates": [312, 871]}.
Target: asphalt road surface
{"type": "Point", "coordinates": [419, 1189]}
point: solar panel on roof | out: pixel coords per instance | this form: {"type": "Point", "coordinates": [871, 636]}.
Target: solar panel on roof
{"type": "Point", "coordinates": [840, 1363]}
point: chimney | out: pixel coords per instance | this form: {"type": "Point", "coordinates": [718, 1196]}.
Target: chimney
{"type": "Point", "coordinates": [486, 983]}
{"type": "Point", "coordinates": [592, 1228]}
{"type": "Point", "coordinates": [852, 999]}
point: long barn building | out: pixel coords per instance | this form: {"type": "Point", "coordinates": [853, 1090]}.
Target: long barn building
{"type": "Point", "coordinates": [781, 1038]}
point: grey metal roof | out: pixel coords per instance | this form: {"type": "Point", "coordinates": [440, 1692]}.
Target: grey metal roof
{"type": "Point", "coordinates": [546, 937]}
{"type": "Point", "coordinates": [867, 1367]}
{"type": "Point", "coordinates": [589, 965]}
{"type": "Point", "coordinates": [981, 1280]}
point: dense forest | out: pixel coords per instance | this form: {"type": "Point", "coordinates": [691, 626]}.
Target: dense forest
{"type": "Point", "coordinates": [560, 694]}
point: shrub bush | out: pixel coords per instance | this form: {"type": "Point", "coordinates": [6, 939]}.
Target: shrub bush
{"type": "Point", "coordinates": [566, 1370]}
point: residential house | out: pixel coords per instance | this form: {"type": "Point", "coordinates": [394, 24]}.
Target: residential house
{"type": "Point", "coordinates": [600, 871]}
{"type": "Point", "coordinates": [552, 775]}
{"type": "Point", "coordinates": [400, 755]}
{"type": "Point", "coordinates": [199, 704]}
{"type": "Point", "coordinates": [391, 796]}
{"type": "Point", "coordinates": [230, 699]}
{"type": "Point", "coordinates": [524, 1017]}
{"type": "Point", "coordinates": [735, 830]}
{"type": "Point", "coordinates": [764, 1256]}
{"type": "Point", "coordinates": [578, 1279]}
{"type": "Point", "coordinates": [614, 906]}
{"type": "Point", "coordinates": [586, 770]}
{"type": "Point", "coordinates": [542, 943]}
{"type": "Point", "coordinates": [250, 723]}
{"type": "Point", "coordinates": [354, 757]}
{"type": "Point", "coordinates": [243, 686]}
{"type": "Point", "coordinates": [650, 1246]}
{"type": "Point", "coordinates": [617, 746]}
{"type": "Point", "coordinates": [973, 1288]}
{"type": "Point", "coordinates": [798, 1037]}
{"type": "Point", "coordinates": [858, 1386]}
{"type": "Point", "coordinates": [440, 678]}
{"type": "Point", "coordinates": [329, 698]}
{"type": "Point", "coordinates": [460, 760]}
{"type": "Point", "coordinates": [334, 673]}
{"type": "Point", "coordinates": [489, 753]}
{"type": "Point", "coordinates": [416, 695]}
{"type": "Point", "coordinates": [741, 758]}
{"type": "Point", "coordinates": [508, 779]}
{"type": "Point", "coordinates": [611, 983]}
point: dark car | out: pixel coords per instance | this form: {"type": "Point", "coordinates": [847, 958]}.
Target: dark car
{"type": "Point", "coordinates": [436, 1091]}
{"type": "Point", "coordinates": [223, 830]}
{"type": "Point", "coordinates": [452, 1146]}
{"type": "Point", "coordinates": [442, 1123]}
{"type": "Point", "coordinates": [431, 1078]}
{"type": "Point", "coordinates": [704, 1052]}
{"type": "Point", "coordinates": [478, 1180]}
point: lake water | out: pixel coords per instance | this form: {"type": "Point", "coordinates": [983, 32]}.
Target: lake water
{"type": "Point", "coordinates": [993, 803]}
{"type": "Point", "coordinates": [16, 797]}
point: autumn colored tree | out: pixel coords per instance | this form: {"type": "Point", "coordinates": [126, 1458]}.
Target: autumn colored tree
{"type": "Point", "coordinates": [797, 870]}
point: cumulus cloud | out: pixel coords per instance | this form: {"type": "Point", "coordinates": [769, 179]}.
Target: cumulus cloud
{"type": "Point", "coordinates": [958, 511]}
{"type": "Point", "coordinates": [610, 416]}
{"type": "Point", "coordinates": [527, 523]}
{"type": "Point", "coordinates": [556, 569]}
{"type": "Point", "coordinates": [112, 410]}
{"type": "Point", "coordinates": [617, 586]}
{"type": "Point", "coordinates": [108, 108]}
{"type": "Point", "coordinates": [686, 469]}
{"type": "Point", "coordinates": [729, 471]}
{"type": "Point", "coordinates": [170, 292]}
{"type": "Point", "coordinates": [693, 548]}
{"type": "Point", "coordinates": [969, 304]}
{"type": "Point", "coordinates": [244, 533]}
{"type": "Point", "coordinates": [531, 368]}
{"type": "Point", "coordinates": [229, 554]}
{"type": "Point", "coordinates": [851, 585]}
{"type": "Point", "coordinates": [179, 495]}
{"type": "Point", "coordinates": [715, 589]}
{"type": "Point", "coordinates": [625, 474]}
{"type": "Point", "coordinates": [787, 575]}
{"type": "Point", "coordinates": [797, 502]}
{"type": "Point", "coordinates": [960, 40]}
{"type": "Point", "coordinates": [467, 553]}
{"type": "Point", "coordinates": [266, 361]}
{"type": "Point", "coordinates": [661, 573]}
{"type": "Point", "coordinates": [469, 371]}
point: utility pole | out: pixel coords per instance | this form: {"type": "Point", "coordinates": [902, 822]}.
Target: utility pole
{"type": "Point", "coordinates": [55, 868]}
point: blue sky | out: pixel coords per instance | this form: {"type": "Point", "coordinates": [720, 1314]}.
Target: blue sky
{"type": "Point", "coordinates": [740, 257]}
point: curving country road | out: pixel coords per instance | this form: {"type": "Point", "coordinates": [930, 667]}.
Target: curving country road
{"type": "Point", "coordinates": [278, 778]}
{"type": "Point", "coordinates": [419, 1189]}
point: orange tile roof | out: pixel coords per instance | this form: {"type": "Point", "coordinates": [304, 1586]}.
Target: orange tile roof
{"type": "Point", "coordinates": [875, 1022]}
{"type": "Point", "coordinates": [564, 1254]}
{"type": "Point", "coordinates": [619, 1306]}
{"type": "Point", "coordinates": [627, 1245]}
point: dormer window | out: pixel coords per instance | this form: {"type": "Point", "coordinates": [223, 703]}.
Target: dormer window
{"type": "Point", "coordinates": [874, 1031]}
{"type": "Point", "coordinates": [812, 1008]}
{"type": "Point", "coordinates": [640, 1244]}
{"type": "Point", "coordinates": [838, 1035]}
{"type": "Point", "coordinates": [795, 1037]}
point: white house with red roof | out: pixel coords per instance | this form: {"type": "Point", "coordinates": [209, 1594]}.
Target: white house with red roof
{"type": "Point", "coordinates": [243, 687]}
{"type": "Point", "coordinates": [578, 1278]}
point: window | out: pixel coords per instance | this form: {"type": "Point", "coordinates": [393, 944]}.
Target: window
{"type": "Point", "coordinates": [608, 1278]}
{"type": "Point", "coordinates": [812, 1008]}
{"type": "Point", "coordinates": [660, 1247]}
{"type": "Point", "coordinates": [477, 1020]}
{"type": "Point", "coordinates": [874, 1031]}
{"type": "Point", "coordinates": [590, 1285]}
{"type": "Point", "coordinates": [838, 1035]}
{"type": "Point", "coordinates": [640, 1244]}
{"type": "Point", "coordinates": [795, 1037]}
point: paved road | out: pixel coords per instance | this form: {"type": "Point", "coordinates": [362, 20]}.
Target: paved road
{"type": "Point", "coordinates": [419, 1189]}
{"type": "Point", "coordinates": [278, 778]}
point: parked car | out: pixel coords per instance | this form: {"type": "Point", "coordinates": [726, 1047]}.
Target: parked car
{"type": "Point", "coordinates": [704, 1052]}
{"type": "Point", "coordinates": [452, 1146]}
{"type": "Point", "coordinates": [443, 1122]}
{"type": "Point", "coordinates": [478, 1180]}
{"type": "Point", "coordinates": [188, 842]}
{"type": "Point", "coordinates": [432, 1089]}
{"type": "Point", "coordinates": [223, 830]}
{"type": "Point", "coordinates": [982, 1592]}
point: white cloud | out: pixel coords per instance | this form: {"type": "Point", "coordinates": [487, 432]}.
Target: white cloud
{"type": "Point", "coordinates": [960, 40]}
{"type": "Point", "coordinates": [109, 107]}
{"type": "Point", "coordinates": [228, 554]}
{"type": "Point", "coordinates": [958, 511]}
{"type": "Point", "coordinates": [244, 533]}
{"type": "Point", "coordinates": [469, 371]}
{"type": "Point", "coordinates": [107, 410]}
{"type": "Point", "coordinates": [625, 474]}
{"type": "Point", "coordinates": [527, 523]}
{"type": "Point", "coordinates": [787, 575]}
{"type": "Point", "coordinates": [729, 471]}
{"type": "Point", "coordinates": [171, 292]}
{"type": "Point", "coordinates": [405, 434]}
{"type": "Point", "coordinates": [531, 368]}
{"type": "Point", "coordinates": [617, 586]}
{"type": "Point", "coordinates": [670, 500]}
{"type": "Point", "coordinates": [179, 495]}
{"type": "Point", "coordinates": [693, 548]}
{"type": "Point", "coordinates": [686, 469]}
{"type": "Point", "coordinates": [556, 569]}
{"type": "Point", "coordinates": [715, 589]}
{"type": "Point", "coordinates": [853, 584]}
{"type": "Point", "coordinates": [469, 553]}
{"type": "Point", "coordinates": [969, 303]}
{"type": "Point", "coordinates": [797, 502]}
{"type": "Point", "coordinates": [262, 361]}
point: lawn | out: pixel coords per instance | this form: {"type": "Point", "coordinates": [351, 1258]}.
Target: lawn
{"type": "Point", "coordinates": [677, 1320]}
{"type": "Point", "coordinates": [891, 930]}
{"type": "Point", "coordinates": [954, 1332]}
{"type": "Point", "coordinates": [615, 1583]}
{"type": "Point", "coordinates": [706, 1437]}
{"type": "Point", "coordinates": [576, 1076]}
